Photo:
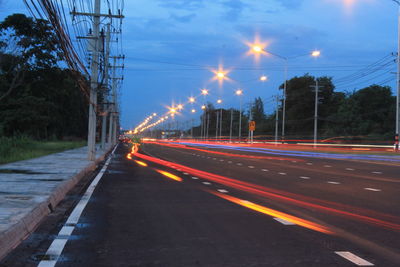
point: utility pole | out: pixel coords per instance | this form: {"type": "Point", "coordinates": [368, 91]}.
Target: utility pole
{"type": "Point", "coordinates": [316, 88]}
{"type": "Point", "coordinates": [94, 42]}
{"type": "Point", "coordinates": [216, 125]}
{"type": "Point", "coordinates": [276, 120]}
{"type": "Point", "coordinates": [106, 87]}
{"type": "Point", "coordinates": [240, 120]}
{"type": "Point", "coordinates": [220, 123]}
{"type": "Point", "coordinates": [114, 118]}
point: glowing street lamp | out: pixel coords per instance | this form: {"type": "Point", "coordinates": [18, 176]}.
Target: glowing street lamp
{"type": "Point", "coordinates": [239, 92]}
{"type": "Point", "coordinates": [219, 101]}
{"type": "Point", "coordinates": [192, 99]}
{"type": "Point", "coordinates": [203, 107]}
{"type": "Point", "coordinates": [172, 110]}
{"type": "Point", "coordinates": [263, 78]}
{"type": "Point", "coordinates": [193, 110]}
{"type": "Point", "coordinates": [315, 53]}
{"type": "Point", "coordinates": [204, 92]}
{"type": "Point", "coordinates": [180, 107]}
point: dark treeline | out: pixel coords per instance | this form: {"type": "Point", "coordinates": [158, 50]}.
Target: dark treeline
{"type": "Point", "coordinates": [38, 98]}
{"type": "Point", "coordinates": [368, 113]}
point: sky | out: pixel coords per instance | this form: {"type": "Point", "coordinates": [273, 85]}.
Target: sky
{"type": "Point", "coordinates": [172, 46]}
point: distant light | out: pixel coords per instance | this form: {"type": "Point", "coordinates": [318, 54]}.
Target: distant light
{"type": "Point", "coordinates": [219, 101]}
{"type": "Point", "coordinates": [204, 92]}
{"type": "Point", "coordinates": [316, 53]}
{"type": "Point", "coordinates": [193, 110]}
{"type": "Point", "coordinates": [203, 107]}
{"type": "Point", "coordinates": [239, 92]}
{"type": "Point", "coordinates": [257, 49]}
{"type": "Point", "coordinates": [180, 106]}
{"type": "Point", "coordinates": [220, 75]}
{"type": "Point", "coordinates": [263, 78]}
{"type": "Point", "coordinates": [191, 99]}
{"type": "Point", "coordinates": [154, 114]}
{"type": "Point", "coordinates": [172, 110]}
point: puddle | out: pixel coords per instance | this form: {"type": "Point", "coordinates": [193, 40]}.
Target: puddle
{"type": "Point", "coordinates": [50, 180]}
{"type": "Point", "coordinates": [21, 171]}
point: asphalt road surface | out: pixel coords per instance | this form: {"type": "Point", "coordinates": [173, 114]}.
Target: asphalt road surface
{"type": "Point", "coordinates": [182, 205]}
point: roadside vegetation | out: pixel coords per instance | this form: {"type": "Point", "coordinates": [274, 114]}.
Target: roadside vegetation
{"type": "Point", "coordinates": [42, 106]}
{"type": "Point", "coordinates": [22, 148]}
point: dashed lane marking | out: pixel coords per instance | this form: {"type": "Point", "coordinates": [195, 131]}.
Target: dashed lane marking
{"type": "Point", "coordinates": [206, 183]}
{"type": "Point", "coordinates": [372, 189]}
{"type": "Point", "coordinates": [264, 170]}
{"type": "Point", "coordinates": [354, 258]}
{"type": "Point", "coordinates": [223, 191]}
{"type": "Point", "coordinates": [214, 158]}
{"type": "Point", "coordinates": [331, 182]}
{"type": "Point", "coordinates": [294, 161]}
{"type": "Point", "coordinates": [305, 177]}
{"type": "Point", "coordinates": [282, 221]}
{"type": "Point", "coordinates": [194, 178]}
{"type": "Point", "coordinates": [229, 162]}
{"type": "Point", "coordinates": [349, 169]}
{"type": "Point", "coordinates": [185, 173]}
{"type": "Point", "coordinates": [282, 173]}
{"type": "Point", "coordinates": [221, 160]}
{"type": "Point", "coordinates": [377, 172]}
{"type": "Point", "coordinates": [251, 167]}
{"type": "Point", "coordinates": [327, 166]}
{"type": "Point", "coordinates": [239, 164]}
{"type": "Point", "coordinates": [309, 163]}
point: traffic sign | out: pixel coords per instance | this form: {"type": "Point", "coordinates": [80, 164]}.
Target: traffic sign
{"type": "Point", "coordinates": [252, 125]}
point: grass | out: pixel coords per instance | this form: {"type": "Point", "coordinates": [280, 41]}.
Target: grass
{"type": "Point", "coordinates": [21, 148]}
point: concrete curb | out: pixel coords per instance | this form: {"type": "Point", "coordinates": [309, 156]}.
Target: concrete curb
{"type": "Point", "coordinates": [13, 236]}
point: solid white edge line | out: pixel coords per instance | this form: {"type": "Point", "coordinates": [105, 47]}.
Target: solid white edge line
{"type": "Point", "coordinates": [58, 244]}
{"type": "Point", "coordinates": [354, 258]}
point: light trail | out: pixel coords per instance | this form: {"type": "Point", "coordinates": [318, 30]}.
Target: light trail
{"type": "Point", "coordinates": [141, 163]}
{"type": "Point", "coordinates": [329, 207]}
{"type": "Point", "coordinates": [170, 175]}
{"type": "Point", "coordinates": [275, 213]}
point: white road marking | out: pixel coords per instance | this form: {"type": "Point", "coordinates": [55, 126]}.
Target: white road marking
{"type": "Point", "coordinates": [58, 244]}
{"type": "Point", "coordinates": [377, 172]}
{"type": "Point", "coordinates": [282, 221]}
{"type": "Point", "coordinates": [179, 170]}
{"type": "Point", "coordinates": [214, 158]}
{"type": "Point", "coordinates": [264, 170]}
{"type": "Point", "coordinates": [221, 160]}
{"type": "Point", "coordinates": [330, 182]}
{"type": "Point", "coordinates": [251, 167]}
{"type": "Point", "coordinates": [229, 161]}
{"type": "Point", "coordinates": [223, 191]}
{"type": "Point", "coordinates": [372, 189]}
{"type": "Point", "coordinates": [282, 173]}
{"type": "Point", "coordinates": [309, 163]}
{"type": "Point", "coordinates": [349, 169]}
{"type": "Point", "coordinates": [354, 258]}
{"type": "Point", "coordinates": [239, 164]}
{"type": "Point", "coordinates": [294, 161]}
{"type": "Point", "coordinates": [304, 177]}
{"type": "Point", "coordinates": [194, 178]}
{"type": "Point", "coordinates": [185, 173]}
{"type": "Point", "coordinates": [327, 166]}
{"type": "Point", "coordinates": [206, 183]}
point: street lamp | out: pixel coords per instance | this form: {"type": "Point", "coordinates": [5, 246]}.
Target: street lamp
{"type": "Point", "coordinates": [398, 80]}
{"type": "Point", "coordinates": [239, 93]}
{"type": "Point", "coordinates": [258, 49]}
{"type": "Point", "coordinates": [191, 99]}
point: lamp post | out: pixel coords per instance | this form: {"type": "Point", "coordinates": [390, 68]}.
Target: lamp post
{"type": "Point", "coordinates": [239, 92]}
{"type": "Point", "coordinates": [219, 118]}
{"type": "Point", "coordinates": [260, 49]}
{"type": "Point", "coordinates": [398, 78]}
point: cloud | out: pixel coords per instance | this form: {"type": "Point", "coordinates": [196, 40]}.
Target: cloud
{"type": "Point", "coordinates": [235, 9]}
{"type": "Point", "coordinates": [291, 4]}
{"type": "Point", "coordinates": [182, 4]}
{"type": "Point", "coordinates": [183, 19]}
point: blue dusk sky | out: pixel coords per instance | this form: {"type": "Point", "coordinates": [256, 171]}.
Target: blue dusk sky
{"type": "Point", "coordinates": [172, 46]}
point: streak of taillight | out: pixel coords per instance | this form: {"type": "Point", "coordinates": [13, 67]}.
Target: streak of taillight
{"type": "Point", "coordinates": [129, 156]}
{"type": "Point", "coordinates": [278, 194]}
{"type": "Point", "coordinates": [170, 175]}
{"type": "Point", "coordinates": [141, 163]}
{"type": "Point", "coordinates": [275, 213]}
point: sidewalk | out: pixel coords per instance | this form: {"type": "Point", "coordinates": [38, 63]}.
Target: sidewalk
{"type": "Point", "coordinates": [30, 189]}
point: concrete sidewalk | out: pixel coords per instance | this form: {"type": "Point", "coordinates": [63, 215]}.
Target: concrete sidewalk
{"type": "Point", "coordinates": [30, 189]}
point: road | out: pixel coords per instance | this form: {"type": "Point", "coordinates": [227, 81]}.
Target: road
{"type": "Point", "coordinates": [178, 204]}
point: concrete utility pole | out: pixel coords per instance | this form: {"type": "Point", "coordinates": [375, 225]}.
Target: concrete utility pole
{"type": "Point", "coordinates": [220, 123]}
{"type": "Point", "coordinates": [94, 42]}
{"type": "Point", "coordinates": [94, 84]}
{"type": "Point", "coordinates": [114, 118]}
{"type": "Point", "coordinates": [216, 126]}
{"type": "Point", "coordinates": [316, 88]}
{"type": "Point", "coordinates": [106, 87]}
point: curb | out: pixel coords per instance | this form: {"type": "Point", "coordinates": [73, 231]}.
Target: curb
{"type": "Point", "coordinates": [12, 237]}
